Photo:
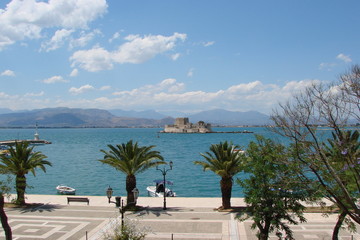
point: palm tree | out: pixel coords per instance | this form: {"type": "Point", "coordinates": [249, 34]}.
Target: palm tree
{"type": "Point", "coordinates": [225, 160]}
{"type": "Point", "coordinates": [131, 159]}
{"type": "Point", "coordinates": [20, 161]}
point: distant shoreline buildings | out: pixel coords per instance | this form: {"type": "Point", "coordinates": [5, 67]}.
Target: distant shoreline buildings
{"type": "Point", "coordinates": [182, 125]}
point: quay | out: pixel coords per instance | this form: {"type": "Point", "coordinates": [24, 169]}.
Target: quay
{"type": "Point", "coordinates": [35, 141]}
{"type": "Point", "coordinates": [32, 141]}
{"type": "Point", "coordinates": [51, 217]}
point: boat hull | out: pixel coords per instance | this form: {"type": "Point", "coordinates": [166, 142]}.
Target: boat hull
{"type": "Point", "coordinates": [153, 193]}
{"type": "Point", "coordinates": [65, 190]}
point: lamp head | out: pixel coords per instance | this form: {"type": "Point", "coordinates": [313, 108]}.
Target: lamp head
{"type": "Point", "coordinates": [136, 193]}
{"type": "Point", "coordinates": [109, 193]}
{"type": "Point", "coordinates": [171, 164]}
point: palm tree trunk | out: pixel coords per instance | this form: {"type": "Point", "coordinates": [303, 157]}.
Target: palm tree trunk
{"type": "Point", "coordinates": [4, 220]}
{"type": "Point", "coordinates": [226, 188]}
{"type": "Point", "coordinates": [130, 185]}
{"type": "Point", "coordinates": [20, 189]}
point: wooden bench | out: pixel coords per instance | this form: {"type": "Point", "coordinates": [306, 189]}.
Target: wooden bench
{"type": "Point", "coordinates": [78, 199]}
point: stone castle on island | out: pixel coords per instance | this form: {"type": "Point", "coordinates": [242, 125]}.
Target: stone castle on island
{"type": "Point", "coordinates": [182, 125]}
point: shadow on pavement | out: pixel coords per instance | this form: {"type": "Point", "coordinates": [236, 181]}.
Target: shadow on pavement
{"type": "Point", "coordinates": [40, 208]}
{"type": "Point", "coordinates": [159, 211]}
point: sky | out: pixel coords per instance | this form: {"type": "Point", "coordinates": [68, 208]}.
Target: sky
{"type": "Point", "coordinates": [169, 56]}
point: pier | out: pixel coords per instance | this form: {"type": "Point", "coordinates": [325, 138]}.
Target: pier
{"type": "Point", "coordinates": [33, 142]}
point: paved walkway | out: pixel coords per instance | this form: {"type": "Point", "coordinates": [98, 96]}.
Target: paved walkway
{"type": "Point", "coordinates": [184, 219]}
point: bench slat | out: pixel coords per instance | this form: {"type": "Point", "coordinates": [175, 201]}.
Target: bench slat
{"type": "Point", "coordinates": [78, 199]}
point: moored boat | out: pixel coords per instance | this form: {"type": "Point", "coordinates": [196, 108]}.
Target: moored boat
{"type": "Point", "coordinates": [158, 189]}
{"type": "Point", "coordinates": [4, 150]}
{"type": "Point", "coordinates": [62, 189]}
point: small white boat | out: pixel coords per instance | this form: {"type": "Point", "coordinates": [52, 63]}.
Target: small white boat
{"type": "Point", "coordinates": [158, 189]}
{"type": "Point", "coordinates": [62, 189]}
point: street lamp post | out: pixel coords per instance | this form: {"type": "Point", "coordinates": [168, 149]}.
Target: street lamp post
{"type": "Point", "coordinates": [109, 193]}
{"type": "Point", "coordinates": [135, 192]}
{"type": "Point", "coordinates": [164, 171]}
{"type": "Point", "coordinates": [122, 209]}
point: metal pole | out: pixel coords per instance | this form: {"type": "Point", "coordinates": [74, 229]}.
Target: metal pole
{"type": "Point", "coordinates": [164, 174]}
{"type": "Point", "coordinates": [164, 171]}
{"type": "Point", "coordinates": [122, 215]}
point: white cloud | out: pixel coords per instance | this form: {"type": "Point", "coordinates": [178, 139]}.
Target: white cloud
{"type": "Point", "coordinates": [114, 37]}
{"type": "Point", "coordinates": [136, 50]}
{"type": "Point", "coordinates": [54, 79]}
{"type": "Point", "coordinates": [8, 73]}
{"type": "Point", "coordinates": [175, 56]}
{"type": "Point", "coordinates": [343, 57]}
{"type": "Point", "coordinates": [140, 49]}
{"type": "Point", "coordinates": [327, 66]}
{"type": "Point", "coordinates": [93, 60]}
{"type": "Point", "coordinates": [57, 40]}
{"type": "Point", "coordinates": [84, 38]}
{"type": "Point", "coordinates": [104, 88]}
{"type": "Point", "coordinates": [5, 96]}
{"type": "Point", "coordinates": [245, 87]}
{"type": "Point", "coordinates": [207, 44]}
{"type": "Point", "coordinates": [330, 66]}
{"type": "Point", "coordinates": [169, 85]}
{"type": "Point", "coordinates": [35, 94]}
{"type": "Point", "coordinates": [74, 72]}
{"type": "Point", "coordinates": [26, 101]}
{"type": "Point", "coordinates": [81, 89]}
{"type": "Point", "coordinates": [191, 72]}
{"type": "Point", "coordinates": [22, 20]}
{"type": "Point", "coordinates": [295, 86]}
{"type": "Point", "coordinates": [170, 94]}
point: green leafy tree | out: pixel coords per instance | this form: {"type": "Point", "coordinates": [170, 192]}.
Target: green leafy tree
{"type": "Point", "coordinates": [131, 159]}
{"type": "Point", "coordinates": [302, 119]}
{"type": "Point", "coordinates": [225, 161]}
{"type": "Point", "coordinates": [21, 160]}
{"type": "Point", "coordinates": [4, 190]}
{"type": "Point", "coordinates": [343, 153]}
{"type": "Point", "coordinates": [272, 193]}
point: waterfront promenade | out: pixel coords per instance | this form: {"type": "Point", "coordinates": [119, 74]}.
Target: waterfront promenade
{"type": "Point", "coordinates": [185, 218]}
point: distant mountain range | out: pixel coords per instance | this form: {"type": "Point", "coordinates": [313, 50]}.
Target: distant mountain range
{"type": "Point", "coordinates": [77, 117]}
{"type": "Point", "coordinates": [224, 117]}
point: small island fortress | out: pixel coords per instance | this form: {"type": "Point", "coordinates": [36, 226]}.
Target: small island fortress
{"type": "Point", "coordinates": [182, 125]}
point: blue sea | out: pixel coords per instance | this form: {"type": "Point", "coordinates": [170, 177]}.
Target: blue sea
{"type": "Point", "coordinates": [74, 154]}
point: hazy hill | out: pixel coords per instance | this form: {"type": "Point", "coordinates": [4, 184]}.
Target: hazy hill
{"type": "Point", "coordinates": [78, 117]}
{"type": "Point", "coordinates": [75, 117]}
{"type": "Point", "coordinates": [152, 114]}
{"type": "Point", "coordinates": [5, 110]}
{"type": "Point", "coordinates": [224, 117]}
